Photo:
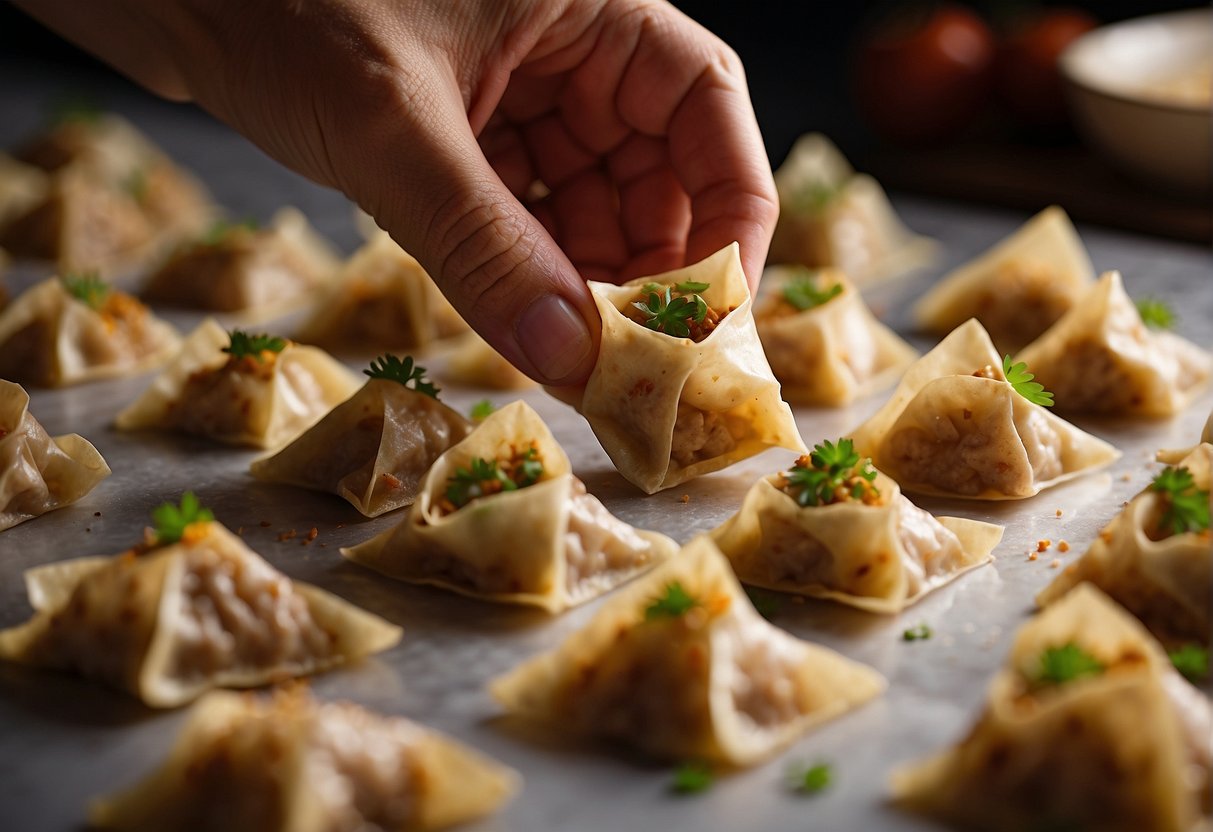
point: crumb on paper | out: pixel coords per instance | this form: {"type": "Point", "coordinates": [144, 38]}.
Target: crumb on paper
{"type": "Point", "coordinates": [685, 498]}
{"type": "Point", "coordinates": [284, 536]}
{"type": "Point", "coordinates": [88, 528]}
{"type": "Point", "coordinates": [1043, 545]}
{"type": "Point", "coordinates": [265, 524]}
{"type": "Point", "coordinates": [96, 514]}
{"type": "Point", "coordinates": [1055, 564]}
{"type": "Point", "coordinates": [1058, 514]}
{"type": "Point", "coordinates": [1063, 546]}
{"type": "Point", "coordinates": [312, 533]}
{"type": "Point", "coordinates": [1031, 556]}
{"type": "Point", "coordinates": [1125, 477]}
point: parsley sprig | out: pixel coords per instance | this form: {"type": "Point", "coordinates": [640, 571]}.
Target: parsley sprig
{"type": "Point", "coordinates": [832, 473]}
{"type": "Point", "coordinates": [1019, 378]}
{"type": "Point", "coordinates": [692, 778]}
{"type": "Point", "coordinates": [674, 602]}
{"type": "Point", "coordinates": [919, 632]}
{"type": "Point", "coordinates": [1192, 661]}
{"type": "Point", "coordinates": [802, 291]}
{"type": "Point", "coordinates": [481, 410]}
{"type": "Point", "coordinates": [1156, 314]}
{"type": "Point", "coordinates": [483, 477]}
{"type": "Point", "coordinates": [244, 345]}
{"type": "Point", "coordinates": [402, 370]}
{"type": "Point", "coordinates": [810, 779]}
{"type": "Point", "coordinates": [1186, 506]}
{"type": "Point", "coordinates": [663, 312]}
{"type": "Point", "coordinates": [171, 520]}
{"type": "Point", "coordinates": [1066, 663]}
{"type": "Point", "coordinates": [88, 288]}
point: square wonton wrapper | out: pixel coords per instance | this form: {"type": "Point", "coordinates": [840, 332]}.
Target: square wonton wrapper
{"type": "Point", "coordinates": [203, 393]}
{"type": "Point", "coordinates": [382, 300]}
{"type": "Point", "coordinates": [948, 432]}
{"type": "Point", "coordinates": [257, 273]}
{"type": "Point", "coordinates": [1166, 583]}
{"type": "Point", "coordinates": [474, 363]}
{"type": "Point", "coordinates": [39, 473]}
{"type": "Point", "coordinates": [292, 764]}
{"type": "Point", "coordinates": [50, 339]}
{"type": "Point", "coordinates": [831, 354]}
{"type": "Point", "coordinates": [1101, 358]}
{"type": "Point", "coordinates": [717, 683]}
{"type": "Point", "coordinates": [1018, 288]}
{"type": "Point", "coordinates": [666, 409]}
{"type": "Point", "coordinates": [1123, 751]}
{"type": "Point", "coordinates": [372, 449]}
{"type": "Point", "coordinates": [168, 624]}
{"type": "Point", "coordinates": [831, 216]}
{"type": "Point", "coordinates": [879, 558]}
{"type": "Point", "coordinates": [549, 545]}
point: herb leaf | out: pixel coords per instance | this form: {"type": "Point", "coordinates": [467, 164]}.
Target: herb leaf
{"type": "Point", "coordinates": [1019, 378]}
{"type": "Point", "coordinates": [1059, 665]}
{"type": "Point", "coordinates": [674, 603]}
{"type": "Point", "coordinates": [810, 779]}
{"type": "Point", "coordinates": [220, 229]}
{"type": "Point", "coordinates": [832, 473]}
{"type": "Point", "coordinates": [481, 410]}
{"type": "Point", "coordinates": [244, 345]}
{"type": "Point", "coordinates": [88, 288]}
{"type": "Point", "coordinates": [814, 197]}
{"type": "Point", "coordinates": [404, 371]}
{"type": "Point", "coordinates": [690, 287]}
{"type": "Point", "coordinates": [1187, 507]}
{"type": "Point", "coordinates": [1192, 661]}
{"type": "Point", "coordinates": [663, 312]}
{"type": "Point", "coordinates": [919, 632]}
{"type": "Point", "coordinates": [171, 520]}
{"type": "Point", "coordinates": [803, 293]}
{"type": "Point", "coordinates": [1155, 313]}
{"type": "Point", "coordinates": [692, 778]}
{"type": "Point", "coordinates": [484, 477]}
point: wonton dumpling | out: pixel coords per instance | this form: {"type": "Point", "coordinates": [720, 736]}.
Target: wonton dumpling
{"type": "Point", "coordinates": [880, 555]}
{"type": "Point", "coordinates": [476, 364]}
{"type": "Point", "coordinates": [1170, 456]}
{"type": "Point", "coordinates": [667, 409]}
{"type": "Point", "coordinates": [829, 354]}
{"type": "Point", "coordinates": [50, 337]}
{"type": "Point", "coordinates": [383, 300]}
{"type": "Point", "coordinates": [168, 623]}
{"type": "Point", "coordinates": [262, 402]}
{"type": "Point", "coordinates": [1101, 358]}
{"type": "Point", "coordinates": [1164, 579]}
{"type": "Point", "coordinates": [574, 548]}
{"type": "Point", "coordinates": [712, 682]}
{"type": "Point", "coordinates": [292, 764]}
{"type": "Point", "coordinates": [831, 216]}
{"type": "Point", "coordinates": [373, 449]}
{"type": "Point", "coordinates": [38, 472]}
{"type": "Point", "coordinates": [955, 427]}
{"type": "Point", "coordinates": [1122, 750]}
{"type": "Point", "coordinates": [1018, 288]}
{"type": "Point", "coordinates": [22, 187]}
{"type": "Point", "coordinates": [261, 273]}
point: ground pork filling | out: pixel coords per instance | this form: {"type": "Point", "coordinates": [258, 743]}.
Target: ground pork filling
{"type": "Point", "coordinates": [930, 548]}
{"type": "Point", "coordinates": [1092, 379]}
{"type": "Point", "coordinates": [597, 545]}
{"type": "Point", "coordinates": [761, 680]}
{"type": "Point", "coordinates": [699, 435]}
{"type": "Point", "coordinates": [1023, 300]}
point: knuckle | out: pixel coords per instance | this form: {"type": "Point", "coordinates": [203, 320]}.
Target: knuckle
{"type": "Point", "coordinates": [482, 246]}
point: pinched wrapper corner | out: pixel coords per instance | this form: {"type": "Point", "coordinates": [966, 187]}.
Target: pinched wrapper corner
{"type": "Point", "coordinates": [831, 354]}
{"type": "Point", "coordinates": [1170, 456]}
{"type": "Point", "coordinates": [474, 362]}
{"type": "Point", "coordinates": [373, 449]}
{"type": "Point", "coordinates": [666, 409]}
{"type": "Point", "coordinates": [880, 558]}
{"type": "Point", "coordinates": [717, 683]}
{"type": "Point", "coordinates": [49, 338]}
{"type": "Point", "coordinates": [1101, 358]}
{"type": "Point", "coordinates": [1166, 583]}
{"type": "Point", "coordinates": [948, 432]}
{"type": "Point", "coordinates": [201, 393]}
{"type": "Point", "coordinates": [549, 545]}
{"type": "Point", "coordinates": [38, 472]}
{"type": "Point", "coordinates": [1123, 751]}
{"type": "Point", "coordinates": [168, 624]}
{"type": "Point", "coordinates": [1018, 288]}
{"type": "Point", "coordinates": [293, 764]}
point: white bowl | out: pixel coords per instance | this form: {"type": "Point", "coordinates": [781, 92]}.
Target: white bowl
{"type": "Point", "coordinates": [1140, 93]}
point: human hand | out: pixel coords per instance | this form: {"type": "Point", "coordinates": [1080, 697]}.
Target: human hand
{"type": "Point", "coordinates": [439, 117]}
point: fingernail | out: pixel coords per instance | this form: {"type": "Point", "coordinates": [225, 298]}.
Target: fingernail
{"type": "Point", "coordinates": [553, 337]}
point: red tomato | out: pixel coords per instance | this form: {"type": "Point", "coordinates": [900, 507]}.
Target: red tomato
{"type": "Point", "coordinates": [922, 80]}
{"type": "Point", "coordinates": [1026, 74]}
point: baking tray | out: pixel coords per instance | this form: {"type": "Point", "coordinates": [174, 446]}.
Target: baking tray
{"type": "Point", "coordinates": [64, 740]}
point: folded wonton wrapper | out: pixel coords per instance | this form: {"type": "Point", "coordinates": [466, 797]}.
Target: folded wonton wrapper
{"type": "Point", "coordinates": [240, 401]}
{"type": "Point", "coordinates": [831, 354]}
{"type": "Point", "coordinates": [39, 473]}
{"type": "Point", "coordinates": [948, 432]}
{"type": "Point", "coordinates": [1170, 456]}
{"type": "Point", "coordinates": [716, 683]}
{"type": "Point", "coordinates": [373, 449]}
{"type": "Point", "coordinates": [1101, 358]}
{"type": "Point", "coordinates": [292, 764]}
{"type": "Point", "coordinates": [831, 216]}
{"type": "Point", "coordinates": [1121, 751]}
{"type": "Point", "coordinates": [666, 409]}
{"type": "Point", "coordinates": [1017, 289]}
{"type": "Point", "coordinates": [259, 273]}
{"type": "Point", "coordinates": [22, 187]}
{"type": "Point", "coordinates": [1166, 583]}
{"type": "Point", "coordinates": [572, 549]}
{"type": "Point", "coordinates": [50, 339]}
{"type": "Point", "coordinates": [476, 364]}
{"type": "Point", "coordinates": [168, 624]}
{"type": "Point", "coordinates": [382, 300]}
{"type": "Point", "coordinates": [880, 558]}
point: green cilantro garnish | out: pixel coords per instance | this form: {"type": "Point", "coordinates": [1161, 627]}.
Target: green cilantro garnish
{"type": "Point", "coordinates": [765, 603]}
{"type": "Point", "coordinates": [919, 632]}
{"type": "Point", "coordinates": [1019, 378]}
{"type": "Point", "coordinates": [1156, 314]}
{"type": "Point", "coordinates": [691, 778]}
{"type": "Point", "coordinates": [404, 371]}
{"type": "Point", "coordinates": [171, 521]}
{"type": "Point", "coordinates": [244, 345]}
{"type": "Point", "coordinates": [136, 184]}
{"type": "Point", "coordinates": [481, 410]}
{"type": "Point", "coordinates": [1192, 661]}
{"type": "Point", "coordinates": [830, 474]}
{"type": "Point", "coordinates": [1187, 507]}
{"type": "Point", "coordinates": [690, 287]}
{"type": "Point", "coordinates": [814, 197]}
{"type": "Point", "coordinates": [674, 603]}
{"type": "Point", "coordinates": [483, 477]}
{"type": "Point", "coordinates": [1059, 665]}
{"type": "Point", "coordinates": [810, 779]}
{"type": "Point", "coordinates": [803, 293]}
{"type": "Point", "coordinates": [220, 229]}
{"type": "Point", "coordinates": [88, 288]}
{"type": "Point", "coordinates": [672, 315]}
